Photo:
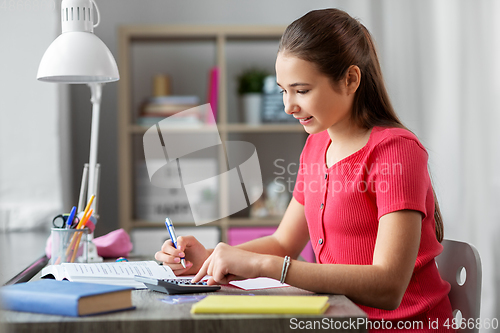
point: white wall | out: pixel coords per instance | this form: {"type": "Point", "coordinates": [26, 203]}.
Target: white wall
{"type": "Point", "coordinates": [30, 182]}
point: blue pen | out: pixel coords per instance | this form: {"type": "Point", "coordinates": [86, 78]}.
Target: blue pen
{"type": "Point", "coordinates": [71, 216]}
{"type": "Point", "coordinates": [173, 237]}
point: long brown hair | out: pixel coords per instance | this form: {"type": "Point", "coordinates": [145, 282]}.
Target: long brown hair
{"type": "Point", "coordinates": [333, 41]}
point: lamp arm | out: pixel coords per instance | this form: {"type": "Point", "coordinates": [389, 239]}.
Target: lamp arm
{"type": "Point", "coordinates": [96, 91]}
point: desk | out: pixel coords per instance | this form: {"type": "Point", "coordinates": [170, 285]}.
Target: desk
{"type": "Point", "coordinates": [18, 250]}
{"type": "Point", "coordinates": [153, 315]}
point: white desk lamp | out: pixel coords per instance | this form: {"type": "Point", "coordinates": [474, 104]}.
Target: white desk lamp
{"type": "Point", "coordinates": [78, 56]}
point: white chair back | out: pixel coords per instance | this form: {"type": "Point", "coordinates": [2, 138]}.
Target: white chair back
{"type": "Point", "coordinates": [460, 265]}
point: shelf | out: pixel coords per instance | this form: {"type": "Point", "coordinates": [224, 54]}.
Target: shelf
{"type": "Point", "coordinates": [247, 222]}
{"type": "Point", "coordinates": [230, 128]}
{"type": "Point", "coordinates": [161, 224]}
{"type": "Point", "coordinates": [140, 129]}
{"type": "Point", "coordinates": [187, 53]}
{"type": "Point", "coordinates": [228, 222]}
{"type": "Point", "coordinates": [272, 128]}
{"type": "Point", "coordinates": [165, 32]}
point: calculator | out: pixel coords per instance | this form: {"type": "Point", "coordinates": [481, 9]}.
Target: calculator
{"type": "Point", "coordinates": [176, 286]}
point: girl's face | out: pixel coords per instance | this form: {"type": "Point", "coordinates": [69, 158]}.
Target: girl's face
{"type": "Point", "coordinates": [309, 96]}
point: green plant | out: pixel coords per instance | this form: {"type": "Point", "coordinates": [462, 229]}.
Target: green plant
{"type": "Point", "coordinates": [251, 81]}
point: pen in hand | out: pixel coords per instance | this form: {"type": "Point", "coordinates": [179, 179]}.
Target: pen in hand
{"type": "Point", "coordinates": [173, 237]}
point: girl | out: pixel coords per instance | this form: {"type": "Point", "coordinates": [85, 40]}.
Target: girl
{"type": "Point", "coordinates": [363, 194]}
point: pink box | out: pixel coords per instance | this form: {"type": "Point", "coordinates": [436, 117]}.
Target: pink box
{"type": "Point", "coordinates": [238, 235]}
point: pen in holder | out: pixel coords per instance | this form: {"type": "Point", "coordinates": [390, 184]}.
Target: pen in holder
{"type": "Point", "coordinates": [92, 255]}
{"type": "Point", "coordinates": [69, 245]}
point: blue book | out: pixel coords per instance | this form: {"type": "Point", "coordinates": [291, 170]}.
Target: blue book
{"type": "Point", "coordinates": [65, 298]}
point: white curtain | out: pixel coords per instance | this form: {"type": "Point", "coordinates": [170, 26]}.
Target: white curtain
{"type": "Point", "coordinates": [30, 127]}
{"type": "Point", "coordinates": [441, 60]}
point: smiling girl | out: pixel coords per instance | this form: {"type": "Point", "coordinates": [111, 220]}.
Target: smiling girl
{"type": "Point", "coordinates": [375, 230]}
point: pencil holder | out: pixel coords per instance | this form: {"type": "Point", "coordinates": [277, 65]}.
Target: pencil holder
{"type": "Point", "coordinates": [69, 245]}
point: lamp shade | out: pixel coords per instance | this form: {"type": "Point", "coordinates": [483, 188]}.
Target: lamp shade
{"type": "Point", "coordinates": [78, 57]}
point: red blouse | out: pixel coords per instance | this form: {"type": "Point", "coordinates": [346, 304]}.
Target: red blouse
{"type": "Point", "coordinates": [344, 203]}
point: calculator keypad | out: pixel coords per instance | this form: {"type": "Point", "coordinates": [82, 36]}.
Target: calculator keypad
{"type": "Point", "coordinates": [185, 282]}
{"type": "Point", "coordinates": [176, 286]}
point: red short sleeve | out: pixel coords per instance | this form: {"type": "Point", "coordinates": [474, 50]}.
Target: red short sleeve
{"type": "Point", "coordinates": [400, 175]}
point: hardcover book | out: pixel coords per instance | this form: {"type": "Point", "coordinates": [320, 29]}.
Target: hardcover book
{"type": "Point", "coordinates": [65, 298]}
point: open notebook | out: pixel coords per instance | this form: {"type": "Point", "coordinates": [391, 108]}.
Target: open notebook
{"type": "Point", "coordinates": [115, 273]}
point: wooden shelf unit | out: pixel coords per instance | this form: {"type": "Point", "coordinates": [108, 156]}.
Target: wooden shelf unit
{"type": "Point", "coordinates": [220, 36]}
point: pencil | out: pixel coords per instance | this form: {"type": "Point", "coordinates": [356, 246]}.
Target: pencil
{"type": "Point", "coordinates": [87, 208]}
{"type": "Point", "coordinates": [77, 244]}
{"type": "Point", "coordinates": [85, 217]}
{"type": "Point", "coordinates": [80, 223]}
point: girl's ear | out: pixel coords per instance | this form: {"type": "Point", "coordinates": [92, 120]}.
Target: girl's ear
{"type": "Point", "coordinates": [352, 79]}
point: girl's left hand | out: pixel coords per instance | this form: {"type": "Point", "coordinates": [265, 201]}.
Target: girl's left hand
{"type": "Point", "coordinates": [228, 263]}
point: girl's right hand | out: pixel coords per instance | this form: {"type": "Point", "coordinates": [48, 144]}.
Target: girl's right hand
{"type": "Point", "coordinates": [189, 248]}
